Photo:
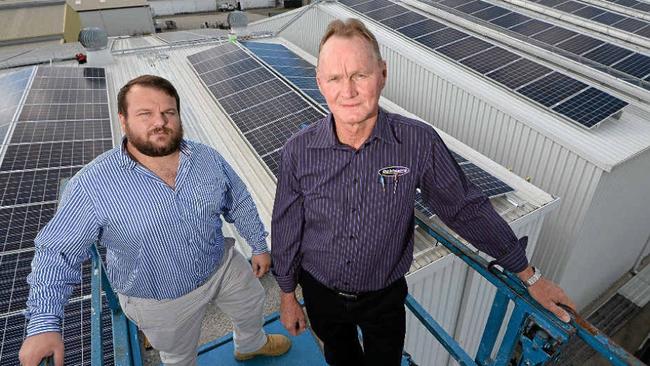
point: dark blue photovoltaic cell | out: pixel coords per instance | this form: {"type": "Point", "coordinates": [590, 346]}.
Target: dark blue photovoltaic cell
{"type": "Point", "coordinates": [403, 20]}
{"type": "Point", "coordinates": [518, 73]}
{"type": "Point", "coordinates": [644, 32]}
{"type": "Point", "coordinates": [589, 12]}
{"type": "Point", "coordinates": [550, 3]}
{"type": "Point", "coordinates": [608, 18]}
{"type": "Point", "coordinates": [552, 89]}
{"type": "Point", "coordinates": [531, 27]}
{"type": "Point", "coordinates": [630, 25]}
{"type": "Point", "coordinates": [590, 107]}
{"type": "Point", "coordinates": [372, 5]}
{"type": "Point", "coordinates": [607, 54]}
{"type": "Point", "coordinates": [421, 28]}
{"type": "Point", "coordinates": [489, 184]}
{"type": "Point", "coordinates": [637, 65]}
{"type": "Point", "coordinates": [490, 60]}
{"type": "Point", "coordinates": [441, 37]}
{"type": "Point", "coordinates": [296, 71]}
{"type": "Point", "coordinates": [491, 13]}
{"type": "Point", "coordinates": [510, 20]}
{"type": "Point", "coordinates": [554, 35]}
{"type": "Point", "coordinates": [580, 44]}
{"type": "Point", "coordinates": [570, 6]}
{"type": "Point", "coordinates": [465, 47]}
{"type": "Point", "coordinates": [387, 12]}
{"type": "Point", "coordinates": [455, 3]}
{"type": "Point", "coordinates": [473, 7]}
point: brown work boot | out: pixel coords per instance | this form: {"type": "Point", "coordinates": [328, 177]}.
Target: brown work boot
{"type": "Point", "coordinates": [276, 345]}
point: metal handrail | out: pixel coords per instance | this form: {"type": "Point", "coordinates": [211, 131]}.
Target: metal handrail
{"type": "Point", "coordinates": [540, 333]}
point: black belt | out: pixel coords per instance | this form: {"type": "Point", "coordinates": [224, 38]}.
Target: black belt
{"type": "Point", "coordinates": [349, 296]}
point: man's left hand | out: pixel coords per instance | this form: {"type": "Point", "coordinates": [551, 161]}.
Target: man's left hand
{"type": "Point", "coordinates": [261, 264]}
{"type": "Point", "coordinates": [549, 295]}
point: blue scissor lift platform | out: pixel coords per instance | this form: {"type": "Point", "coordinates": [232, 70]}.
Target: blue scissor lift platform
{"type": "Point", "coordinates": [533, 335]}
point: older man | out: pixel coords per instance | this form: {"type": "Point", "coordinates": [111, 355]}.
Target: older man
{"type": "Point", "coordinates": [155, 203]}
{"type": "Point", "coordinates": [343, 215]}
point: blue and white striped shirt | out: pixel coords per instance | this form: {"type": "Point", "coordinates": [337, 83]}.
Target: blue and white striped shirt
{"type": "Point", "coordinates": [161, 242]}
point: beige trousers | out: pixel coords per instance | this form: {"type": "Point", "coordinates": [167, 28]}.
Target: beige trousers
{"type": "Point", "coordinates": [173, 326]}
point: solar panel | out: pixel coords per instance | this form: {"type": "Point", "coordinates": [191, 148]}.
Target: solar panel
{"type": "Point", "coordinates": [531, 27]}
{"type": "Point", "coordinates": [604, 16]}
{"type": "Point", "coordinates": [473, 7]}
{"type": "Point", "coordinates": [554, 35]}
{"type": "Point", "coordinates": [14, 289]}
{"type": "Point", "coordinates": [52, 131]}
{"type": "Point", "coordinates": [266, 113]}
{"type": "Point", "coordinates": [590, 107]}
{"type": "Point", "coordinates": [441, 37]}
{"type": "Point", "coordinates": [387, 12]}
{"type": "Point", "coordinates": [552, 89]}
{"type": "Point", "coordinates": [19, 225]}
{"type": "Point", "coordinates": [75, 332]}
{"type": "Point", "coordinates": [403, 20]}
{"type": "Point", "coordinates": [421, 28]}
{"type": "Point", "coordinates": [510, 20]}
{"type": "Point", "coordinates": [465, 47]}
{"type": "Point", "coordinates": [298, 71]}
{"type": "Point", "coordinates": [272, 160]}
{"type": "Point", "coordinates": [580, 44]}
{"type": "Point", "coordinates": [637, 65]}
{"type": "Point", "coordinates": [13, 85]}
{"type": "Point", "coordinates": [608, 54]}
{"type": "Point", "coordinates": [490, 59]}
{"type": "Point", "coordinates": [519, 73]}
{"type": "Point", "coordinates": [372, 5]}
{"type": "Point", "coordinates": [489, 184]}
{"type": "Point", "coordinates": [63, 124]}
{"type": "Point", "coordinates": [422, 206]}
{"type": "Point", "coordinates": [491, 13]}
{"type": "Point", "coordinates": [53, 154]}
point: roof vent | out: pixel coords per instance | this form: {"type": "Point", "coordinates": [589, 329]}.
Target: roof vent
{"type": "Point", "coordinates": [93, 38]}
{"type": "Point", "coordinates": [237, 19]}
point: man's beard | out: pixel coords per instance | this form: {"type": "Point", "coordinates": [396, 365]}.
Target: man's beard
{"type": "Point", "coordinates": [147, 148]}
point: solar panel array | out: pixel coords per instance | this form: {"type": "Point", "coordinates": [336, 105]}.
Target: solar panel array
{"type": "Point", "coordinates": [264, 109]}
{"type": "Point", "coordinates": [634, 66]}
{"type": "Point", "coordinates": [298, 71]}
{"type": "Point", "coordinates": [640, 6]}
{"type": "Point", "coordinates": [62, 124]}
{"type": "Point", "coordinates": [578, 102]}
{"type": "Point", "coordinates": [608, 18]}
{"type": "Point", "coordinates": [14, 85]}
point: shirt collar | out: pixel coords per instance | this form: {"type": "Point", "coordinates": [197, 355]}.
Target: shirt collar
{"type": "Point", "coordinates": [128, 163]}
{"type": "Point", "coordinates": [325, 135]}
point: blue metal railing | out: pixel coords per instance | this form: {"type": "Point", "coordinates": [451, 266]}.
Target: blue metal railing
{"type": "Point", "coordinates": [537, 334]}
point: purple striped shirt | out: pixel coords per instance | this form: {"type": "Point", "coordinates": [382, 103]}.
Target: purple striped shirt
{"type": "Point", "coordinates": [335, 218]}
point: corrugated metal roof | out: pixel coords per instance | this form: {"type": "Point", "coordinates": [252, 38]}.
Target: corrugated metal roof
{"type": "Point", "coordinates": [31, 22]}
{"type": "Point", "coordinates": [87, 5]}
{"type": "Point", "coordinates": [610, 144]}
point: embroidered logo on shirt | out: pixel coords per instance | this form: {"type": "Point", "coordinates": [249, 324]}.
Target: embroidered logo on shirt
{"type": "Point", "coordinates": [394, 171]}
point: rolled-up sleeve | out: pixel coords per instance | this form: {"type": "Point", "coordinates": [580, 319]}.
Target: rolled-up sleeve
{"type": "Point", "coordinates": [287, 224]}
{"type": "Point", "coordinates": [468, 211]}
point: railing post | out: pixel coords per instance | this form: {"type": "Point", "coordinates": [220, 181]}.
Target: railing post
{"type": "Point", "coordinates": [491, 331]}
{"type": "Point", "coordinates": [96, 346]}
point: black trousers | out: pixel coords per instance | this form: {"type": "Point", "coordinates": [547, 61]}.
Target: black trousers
{"type": "Point", "coordinates": [334, 318]}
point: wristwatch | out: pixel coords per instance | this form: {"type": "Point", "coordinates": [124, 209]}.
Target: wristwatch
{"type": "Point", "coordinates": [537, 274]}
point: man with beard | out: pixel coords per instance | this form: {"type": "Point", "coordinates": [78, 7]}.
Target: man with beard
{"type": "Point", "coordinates": [154, 202]}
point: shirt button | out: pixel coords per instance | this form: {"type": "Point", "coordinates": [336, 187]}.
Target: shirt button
{"type": "Point", "coordinates": [352, 237]}
{"type": "Point", "coordinates": [347, 262]}
{"type": "Point", "coordinates": [354, 210]}
{"type": "Point", "coordinates": [355, 181]}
